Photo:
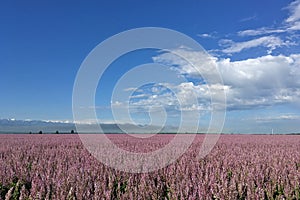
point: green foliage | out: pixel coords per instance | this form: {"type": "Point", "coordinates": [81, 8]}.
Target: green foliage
{"type": "Point", "coordinates": [17, 189]}
{"type": "Point", "coordinates": [17, 185]}
{"type": "Point", "coordinates": [297, 166]}
{"type": "Point", "coordinates": [119, 188]}
{"type": "Point", "coordinates": [278, 192]}
{"type": "Point", "coordinates": [3, 190]}
{"type": "Point", "coordinates": [243, 194]}
{"type": "Point", "coordinates": [29, 166]}
{"type": "Point", "coordinates": [166, 192]}
{"type": "Point", "coordinates": [229, 175]}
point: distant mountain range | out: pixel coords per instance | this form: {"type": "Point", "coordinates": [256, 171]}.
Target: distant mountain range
{"type": "Point", "coordinates": [35, 126]}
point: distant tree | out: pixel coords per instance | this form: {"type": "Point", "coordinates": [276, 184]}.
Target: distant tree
{"type": "Point", "coordinates": [41, 132]}
{"type": "Point", "coordinates": [30, 132]}
{"type": "Point", "coordinates": [72, 131]}
{"type": "Point", "coordinates": [57, 132]}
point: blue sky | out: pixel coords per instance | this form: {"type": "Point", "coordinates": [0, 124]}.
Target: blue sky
{"type": "Point", "coordinates": [254, 43]}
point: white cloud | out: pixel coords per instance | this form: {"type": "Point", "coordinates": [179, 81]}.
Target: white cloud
{"type": "Point", "coordinates": [294, 27]}
{"type": "Point", "coordinates": [260, 31]}
{"type": "Point", "coordinates": [250, 83]}
{"type": "Point", "coordinates": [225, 43]}
{"type": "Point", "coordinates": [191, 63]}
{"type": "Point", "coordinates": [273, 37]}
{"type": "Point", "coordinates": [248, 18]}
{"type": "Point", "coordinates": [186, 96]}
{"type": "Point", "coordinates": [131, 89]}
{"type": "Point", "coordinates": [207, 35]}
{"type": "Point", "coordinates": [55, 121]}
{"type": "Point", "coordinates": [270, 42]}
{"type": "Point", "coordinates": [294, 9]}
{"type": "Point", "coordinates": [292, 23]}
{"type": "Point", "coordinates": [287, 116]}
{"type": "Point", "coordinates": [262, 81]}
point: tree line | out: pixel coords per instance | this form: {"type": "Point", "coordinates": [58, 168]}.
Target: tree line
{"type": "Point", "coordinates": [56, 132]}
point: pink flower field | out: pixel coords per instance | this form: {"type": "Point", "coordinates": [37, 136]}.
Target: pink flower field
{"type": "Point", "coordinates": [238, 167]}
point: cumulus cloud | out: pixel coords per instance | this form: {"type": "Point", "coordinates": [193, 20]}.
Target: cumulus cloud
{"type": "Point", "coordinates": [184, 97]}
{"type": "Point", "coordinates": [262, 81]}
{"type": "Point", "coordinates": [191, 64]}
{"type": "Point", "coordinates": [250, 83]}
{"type": "Point", "coordinates": [263, 72]}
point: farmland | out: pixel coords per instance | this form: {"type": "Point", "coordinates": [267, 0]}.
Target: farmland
{"type": "Point", "coordinates": [238, 167]}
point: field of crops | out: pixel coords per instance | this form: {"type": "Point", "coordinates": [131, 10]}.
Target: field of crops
{"type": "Point", "coordinates": [239, 167]}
